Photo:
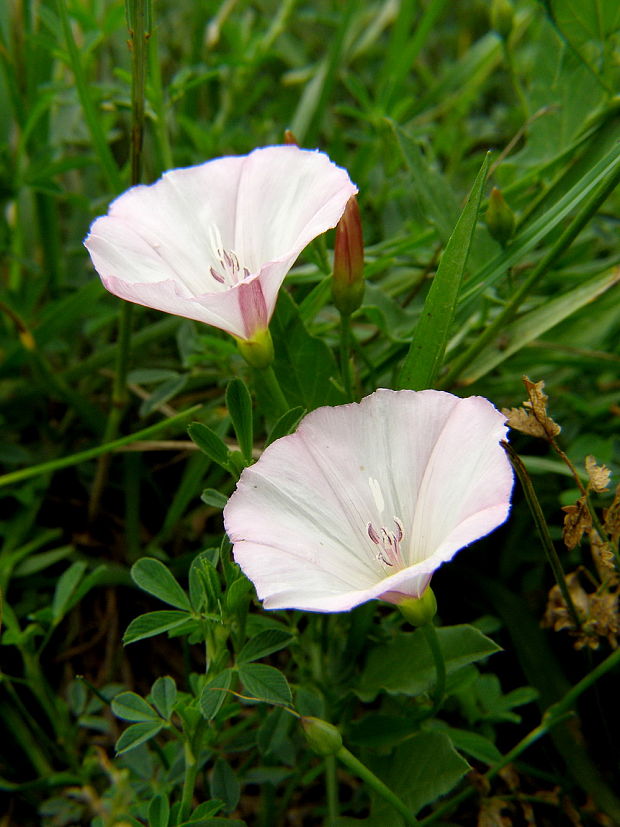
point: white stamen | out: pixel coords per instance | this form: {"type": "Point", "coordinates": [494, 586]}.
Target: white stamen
{"type": "Point", "coordinates": [375, 490]}
{"type": "Point", "coordinates": [228, 269]}
{"type": "Point", "coordinates": [388, 541]}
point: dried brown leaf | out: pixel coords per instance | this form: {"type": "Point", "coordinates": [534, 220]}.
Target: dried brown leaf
{"type": "Point", "coordinates": [532, 418]}
{"type": "Point", "coordinates": [603, 556]}
{"type": "Point", "coordinates": [577, 520]}
{"type": "Point", "coordinates": [491, 813]}
{"type": "Point", "coordinates": [611, 516]}
{"type": "Point", "coordinates": [599, 475]}
{"type": "Point", "coordinates": [521, 420]}
{"type": "Point", "coordinates": [538, 404]}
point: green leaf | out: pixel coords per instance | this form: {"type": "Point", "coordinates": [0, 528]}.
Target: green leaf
{"type": "Point", "coordinates": [304, 364]}
{"type": "Point", "coordinates": [264, 683]}
{"type": "Point", "coordinates": [273, 738]}
{"type": "Point", "coordinates": [159, 811]}
{"type": "Point", "coordinates": [263, 644]}
{"type": "Point", "coordinates": [405, 665]}
{"type": "Point", "coordinates": [435, 196]}
{"type": "Point", "coordinates": [147, 376]}
{"type": "Point", "coordinates": [214, 498]}
{"type": "Point", "coordinates": [154, 577]}
{"type": "Point", "coordinates": [213, 822]}
{"type": "Point", "coordinates": [420, 771]}
{"type": "Point", "coordinates": [164, 695]}
{"type": "Point", "coordinates": [239, 404]}
{"type": "Point", "coordinates": [205, 588]}
{"type": "Point", "coordinates": [238, 594]}
{"type": "Point", "coordinates": [479, 747]}
{"type": "Point", "coordinates": [132, 707]}
{"type": "Point", "coordinates": [225, 784]}
{"type": "Point", "coordinates": [154, 623]}
{"type": "Point", "coordinates": [378, 730]}
{"type": "Point", "coordinates": [65, 588]}
{"type": "Point", "coordinates": [286, 424]}
{"type": "Point", "coordinates": [215, 693]}
{"type": "Point", "coordinates": [167, 390]}
{"type": "Point", "coordinates": [534, 323]}
{"type": "Point", "coordinates": [425, 357]}
{"type": "Point", "coordinates": [210, 443]}
{"type": "Point", "coordinates": [137, 734]}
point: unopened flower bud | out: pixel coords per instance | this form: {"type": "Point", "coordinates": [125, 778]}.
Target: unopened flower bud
{"type": "Point", "coordinates": [419, 610]}
{"type": "Point", "coordinates": [499, 218]}
{"type": "Point", "coordinates": [502, 17]}
{"type": "Point", "coordinates": [257, 351]}
{"type": "Point", "coordinates": [348, 278]}
{"type": "Point", "coordinates": [322, 737]}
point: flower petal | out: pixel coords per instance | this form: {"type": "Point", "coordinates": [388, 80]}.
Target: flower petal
{"type": "Point", "coordinates": [299, 519]}
{"type": "Point", "coordinates": [156, 245]}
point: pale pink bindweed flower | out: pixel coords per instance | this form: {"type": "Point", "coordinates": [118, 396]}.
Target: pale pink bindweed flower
{"type": "Point", "coordinates": [214, 242]}
{"type": "Point", "coordinates": [367, 500]}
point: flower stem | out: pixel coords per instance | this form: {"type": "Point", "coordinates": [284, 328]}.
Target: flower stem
{"type": "Point", "coordinates": [137, 12]}
{"type": "Point", "coordinates": [430, 633]}
{"type": "Point", "coordinates": [331, 785]}
{"type": "Point", "coordinates": [362, 771]}
{"type": "Point", "coordinates": [345, 353]}
{"type": "Point", "coordinates": [542, 529]}
{"type": "Point", "coordinates": [270, 381]}
{"type": "Point", "coordinates": [189, 782]}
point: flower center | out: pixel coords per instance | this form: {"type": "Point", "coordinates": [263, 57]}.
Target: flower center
{"type": "Point", "coordinates": [387, 541]}
{"type": "Point", "coordinates": [228, 269]}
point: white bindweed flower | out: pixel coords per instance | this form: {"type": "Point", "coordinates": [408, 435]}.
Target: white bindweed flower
{"type": "Point", "coordinates": [214, 242]}
{"type": "Point", "coordinates": [367, 500]}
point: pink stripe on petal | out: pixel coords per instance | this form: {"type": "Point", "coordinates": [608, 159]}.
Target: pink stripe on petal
{"type": "Point", "coordinates": [253, 307]}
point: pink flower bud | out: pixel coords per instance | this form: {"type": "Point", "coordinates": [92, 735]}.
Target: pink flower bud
{"type": "Point", "coordinates": [348, 279]}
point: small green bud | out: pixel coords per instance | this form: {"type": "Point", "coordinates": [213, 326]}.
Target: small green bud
{"type": "Point", "coordinates": [348, 278]}
{"type": "Point", "coordinates": [419, 610]}
{"type": "Point", "coordinates": [500, 218]}
{"type": "Point", "coordinates": [257, 351]}
{"type": "Point", "coordinates": [502, 17]}
{"type": "Point", "coordinates": [322, 738]}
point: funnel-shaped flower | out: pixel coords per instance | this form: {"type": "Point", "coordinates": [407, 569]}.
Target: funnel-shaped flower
{"type": "Point", "coordinates": [214, 242]}
{"type": "Point", "coordinates": [367, 500]}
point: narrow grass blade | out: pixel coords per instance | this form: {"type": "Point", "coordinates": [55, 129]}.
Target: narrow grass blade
{"type": "Point", "coordinates": [425, 356]}
{"type": "Point", "coordinates": [528, 327]}
{"type": "Point", "coordinates": [92, 453]}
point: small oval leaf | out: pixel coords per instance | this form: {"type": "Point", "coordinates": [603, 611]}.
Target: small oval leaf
{"type": "Point", "coordinates": [154, 577]}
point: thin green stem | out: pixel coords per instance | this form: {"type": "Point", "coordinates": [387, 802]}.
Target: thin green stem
{"type": "Point", "coordinates": [553, 715]}
{"type": "Point", "coordinates": [331, 785]}
{"type": "Point", "coordinates": [93, 453]}
{"type": "Point", "coordinates": [136, 17]}
{"type": "Point", "coordinates": [430, 633]}
{"type": "Point", "coordinates": [345, 354]}
{"type": "Point", "coordinates": [545, 264]}
{"type": "Point", "coordinates": [362, 771]}
{"type": "Point", "coordinates": [542, 529]}
{"type": "Point", "coordinates": [158, 103]}
{"type": "Point", "coordinates": [137, 11]}
{"type": "Point", "coordinates": [270, 381]}
{"type": "Point", "coordinates": [102, 148]}
{"type": "Point", "coordinates": [514, 79]}
{"type": "Point", "coordinates": [189, 782]}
